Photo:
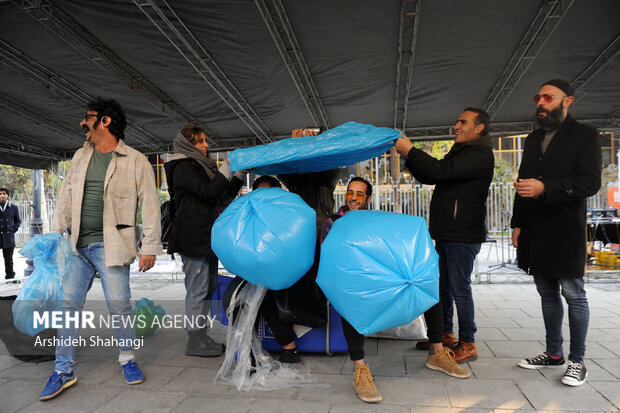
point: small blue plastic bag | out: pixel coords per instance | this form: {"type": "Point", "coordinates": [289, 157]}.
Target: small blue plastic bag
{"type": "Point", "coordinates": [379, 269]}
{"type": "Point", "coordinates": [42, 291]}
{"type": "Point", "coordinates": [148, 317]}
{"type": "Point", "coordinates": [343, 145]}
{"type": "Point", "coordinates": [267, 237]}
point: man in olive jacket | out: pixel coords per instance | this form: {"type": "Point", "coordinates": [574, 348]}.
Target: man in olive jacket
{"type": "Point", "coordinates": [560, 168]}
{"type": "Point", "coordinates": [457, 221]}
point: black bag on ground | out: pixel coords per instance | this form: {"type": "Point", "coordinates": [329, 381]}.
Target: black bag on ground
{"type": "Point", "coordinates": [20, 345]}
{"type": "Point", "coordinates": [304, 303]}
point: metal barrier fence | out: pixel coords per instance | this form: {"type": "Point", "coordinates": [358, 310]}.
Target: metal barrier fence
{"type": "Point", "coordinates": [412, 199]}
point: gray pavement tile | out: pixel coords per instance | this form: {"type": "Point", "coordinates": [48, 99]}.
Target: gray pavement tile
{"type": "Point", "coordinates": [181, 360]}
{"type": "Point", "coordinates": [196, 381]}
{"type": "Point", "coordinates": [484, 303]}
{"type": "Point", "coordinates": [6, 362]}
{"type": "Point", "coordinates": [393, 347]}
{"type": "Point", "coordinates": [535, 312]}
{"type": "Point", "coordinates": [340, 390]}
{"type": "Point", "coordinates": [606, 334]}
{"type": "Point", "coordinates": [601, 313]}
{"type": "Point", "coordinates": [484, 350]}
{"type": "Point", "coordinates": [514, 313]}
{"type": "Point", "coordinates": [97, 372]}
{"type": "Point", "coordinates": [292, 406]}
{"type": "Point", "coordinates": [489, 333]}
{"type": "Point", "coordinates": [324, 364]}
{"type": "Point", "coordinates": [362, 407]}
{"type": "Point", "coordinates": [518, 304]}
{"type": "Point", "coordinates": [380, 365]}
{"type": "Point", "coordinates": [371, 345]}
{"type": "Point", "coordinates": [142, 401]}
{"type": "Point", "coordinates": [29, 371]}
{"type": "Point", "coordinates": [599, 322]}
{"type": "Point", "coordinates": [556, 396]}
{"type": "Point", "coordinates": [611, 346]}
{"type": "Point", "coordinates": [416, 409]}
{"type": "Point", "coordinates": [515, 349]}
{"type": "Point", "coordinates": [595, 372]}
{"type": "Point", "coordinates": [502, 368]}
{"type": "Point", "coordinates": [594, 350]}
{"type": "Point", "coordinates": [496, 322]}
{"type": "Point", "coordinates": [414, 391]}
{"type": "Point", "coordinates": [530, 322]}
{"type": "Point", "coordinates": [78, 398]}
{"type": "Point", "coordinates": [608, 389]}
{"type": "Point", "coordinates": [524, 334]}
{"type": "Point", "coordinates": [610, 365]}
{"type": "Point", "coordinates": [476, 394]}
{"type": "Point", "coordinates": [17, 394]}
{"type": "Point", "coordinates": [230, 404]}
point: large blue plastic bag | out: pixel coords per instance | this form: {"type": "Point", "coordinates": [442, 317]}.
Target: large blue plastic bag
{"type": "Point", "coordinates": [267, 237]}
{"type": "Point", "coordinates": [42, 291]}
{"type": "Point", "coordinates": [379, 269]}
{"type": "Point", "coordinates": [343, 145]}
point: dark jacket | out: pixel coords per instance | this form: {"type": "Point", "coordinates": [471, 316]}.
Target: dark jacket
{"type": "Point", "coordinates": [197, 202]}
{"type": "Point", "coordinates": [461, 179]}
{"type": "Point", "coordinates": [9, 224]}
{"type": "Point", "coordinates": [553, 226]}
{"type": "Point", "coordinates": [316, 189]}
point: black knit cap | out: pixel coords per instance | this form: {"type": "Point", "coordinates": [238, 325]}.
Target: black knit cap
{"type": "Point", "coordinates": [563, 85]}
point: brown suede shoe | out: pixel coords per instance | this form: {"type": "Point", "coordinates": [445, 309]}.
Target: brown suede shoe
{"type": "Point", "coordinates": [464, 352]}
{"type": "Point", "coordinates": [448, 340]}
{"type": "Point", "coordinates": [443, 360]}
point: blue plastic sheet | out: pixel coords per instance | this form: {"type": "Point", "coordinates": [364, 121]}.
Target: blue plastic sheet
{"type": "Point", "coordinates": [267, 237]}
{"type": "Point", "coordinates": [42, 291]}
{"type": "Point", "coordinates": [379, 269]}
{"type": "Point", "coordinates": [343, 145]}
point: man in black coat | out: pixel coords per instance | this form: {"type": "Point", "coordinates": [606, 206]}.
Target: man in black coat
{"type": "Point", "coordinates": [457, 216]}
{"type": "Point", "coordinates": [9, 224]}
{"type": "Point", "coordinates": [560, 168]}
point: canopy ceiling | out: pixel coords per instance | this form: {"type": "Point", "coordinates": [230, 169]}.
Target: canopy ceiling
{"type": "Point", "coordinates": [251, 71]}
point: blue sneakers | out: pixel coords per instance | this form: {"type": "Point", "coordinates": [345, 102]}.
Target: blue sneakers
{"type": "Point", "coordinates": [132, 373]}
{"type": "Point", "coordinates": [56, 384]}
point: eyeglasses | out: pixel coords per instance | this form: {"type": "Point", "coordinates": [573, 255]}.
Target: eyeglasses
{"type": "Point", "coordinates": [88, 115]}
{"type": "Point", "coordinates": [360, 196]}
{"type": "Point", "coordinates": [548, 98]}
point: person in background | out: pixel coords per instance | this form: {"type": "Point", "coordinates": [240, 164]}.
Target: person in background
{"type": "Point", "coordinates": [9, 224]}
{"type": "Point", "coordinates": [198, 189]}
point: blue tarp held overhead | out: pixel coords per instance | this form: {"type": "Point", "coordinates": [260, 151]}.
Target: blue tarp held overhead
{"type": "Point", "coordinates": [343, 145]}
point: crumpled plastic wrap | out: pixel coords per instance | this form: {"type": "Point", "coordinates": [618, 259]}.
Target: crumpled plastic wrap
{"type": "Point", "coordinates": [246, 366]}
{"type": "Point", "coordinates": [52, 259]}
{"type": "Point", "coordinates": [267, 237]}
{"type": "Point", "coordinates": [379, 269]}
{"type": "Point", "coordinates": [343, 145]}
{"type": "Point", "coordinates": [146, 312]}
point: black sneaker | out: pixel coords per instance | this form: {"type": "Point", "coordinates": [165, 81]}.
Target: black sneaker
{"type": "Point", "coordinates": [575, 374]}
{"type": "Point", "coordinates": [290, 356]}
{"type": "Point", "coordinates": [542, 360]}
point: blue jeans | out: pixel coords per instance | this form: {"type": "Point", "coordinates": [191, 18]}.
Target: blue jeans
{"type": "Point", "coordinates": [553, 312]}
{"type": "Point", "coordinates": [456, 262]}
{"type": "Point", "coordinates": [115, 283]}
{"type": "Point", "coordinates": [200, 273]}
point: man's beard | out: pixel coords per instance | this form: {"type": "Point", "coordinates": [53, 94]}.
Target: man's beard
{"type": "Point", "coordinates": [551, 121]}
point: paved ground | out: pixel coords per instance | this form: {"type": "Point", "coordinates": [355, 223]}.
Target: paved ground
{"type": "Point", "coordinates": [509, 327]}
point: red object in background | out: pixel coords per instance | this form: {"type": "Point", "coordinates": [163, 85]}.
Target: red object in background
{"type": "Point", "coordinates": [613, 197]}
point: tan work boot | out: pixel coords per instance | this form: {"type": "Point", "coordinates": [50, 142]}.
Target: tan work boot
{"type": "Point", "coordinates": [364, 386]}
{"type": "Point", "coordinates": [443, 360]}
{"type": "Point", "coordinates": [447, 339]}
{"type": "Point", "coordinates": [464, 352]}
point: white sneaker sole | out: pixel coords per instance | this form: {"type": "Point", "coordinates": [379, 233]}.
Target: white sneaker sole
{"type": "Point", "coordinates": [574, 383]}
{"type": "Point", "coordinates": [525, 365]}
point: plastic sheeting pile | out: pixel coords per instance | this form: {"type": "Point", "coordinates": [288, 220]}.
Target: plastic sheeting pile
{"type": "Point", "coordinates": [266, 237]}
{"type": "Point", "coordinates": [343, 145]}
{"type": "Point", "coordinates": [379, 269]}
{"type": "Point", "coordinates": [246, 366]}
{"type": "Point", "coordinates": [42, 291]}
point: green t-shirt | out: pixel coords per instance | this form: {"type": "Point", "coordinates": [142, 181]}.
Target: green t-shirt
{"type": "Point", "coordinates": [91, 226]}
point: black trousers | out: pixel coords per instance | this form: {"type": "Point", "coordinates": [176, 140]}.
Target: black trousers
{"type": "Point", "coordinates": [284, 334]}
{"type": "Point", "coordinates": [434, 323]}
{"type": "Point", "coordinates": [8, 262]}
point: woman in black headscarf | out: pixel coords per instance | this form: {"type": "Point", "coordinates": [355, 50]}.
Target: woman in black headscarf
{"type": "Point", "coordinates": [199, 191]}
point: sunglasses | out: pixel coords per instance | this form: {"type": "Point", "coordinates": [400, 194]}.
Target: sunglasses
{"type": "Point", "coordinates": [360, 196]}
{"type": "Point", "coordinates": [548, 98]}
